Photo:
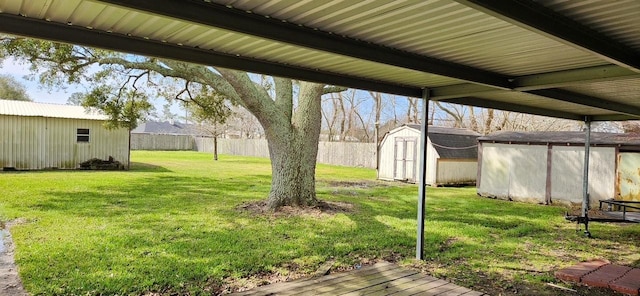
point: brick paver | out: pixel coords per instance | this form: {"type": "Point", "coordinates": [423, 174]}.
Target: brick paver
{"type": "Point", "coordinates": [576, 272]}
{"type": "Point", "coordinates": [628, 284]}
{"type": "Point", "coordinates": [602, 276]}
{"type": "Point", "coordinates": [600, 273]}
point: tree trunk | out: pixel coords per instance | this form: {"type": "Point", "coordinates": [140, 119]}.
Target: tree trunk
{"type": "Point", "coordinates": [215, 148]}
{"type": "Point", "coordinates": [293, 148]}
{"type": "Point", "coordinates": [293, 166]}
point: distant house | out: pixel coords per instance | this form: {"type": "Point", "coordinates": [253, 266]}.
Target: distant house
{"type": "Point", "coordinates": [547, 167]}
{"type": "Point", "coordinates": [38, 136]}
{"type": "Point", "coordinates": [452, 155]}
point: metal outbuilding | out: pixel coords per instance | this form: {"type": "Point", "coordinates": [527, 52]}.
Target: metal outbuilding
{"type": "Point", "coordinates": [452, 155]}
{"type": "Point", "coordinates": [37, 136]}
{"type": "Point", "coordinates": [547, 167]}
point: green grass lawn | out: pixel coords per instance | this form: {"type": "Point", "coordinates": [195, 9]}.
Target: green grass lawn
{"type": "Point", "coordinates": [171, 225]}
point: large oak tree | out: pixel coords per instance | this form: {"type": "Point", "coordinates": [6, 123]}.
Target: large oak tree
{"type": "Point", "coordinates": [289, 112]}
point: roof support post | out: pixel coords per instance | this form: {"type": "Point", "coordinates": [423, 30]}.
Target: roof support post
{"type": "Point", "coordinates": [585, 177]}
{"type": "Point", "coordinates": [422, 190]}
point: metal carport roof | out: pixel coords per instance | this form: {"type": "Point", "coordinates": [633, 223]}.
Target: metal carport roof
{"type": "Point", "coordinates": [569, 59]}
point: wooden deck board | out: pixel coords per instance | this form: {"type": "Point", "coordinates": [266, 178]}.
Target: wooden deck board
{"type": "Point", "coordinates": [370, 273]}
{"type": "Point", "coordinates": [421, 288]}
{"type": "Point", "coordinates": [299, 285]}
{"type": "Point", "coordinates": [630, 216]}
{"type": "Point", "coordinates": [357, 283]}
{"type": "Point", "coordinates": [380, 279]}
{"type": "Point", "coordinates": [390, 287]}
{"type": "Point", "coordinates": [395, 289]}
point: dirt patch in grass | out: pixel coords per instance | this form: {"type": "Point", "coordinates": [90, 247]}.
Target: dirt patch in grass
{"type": "Point", "coordinates": [322, 209]}
{"type": "Point", "coordinates": [502, 283]}
{"type": "Point", "coordinates": [356, 184]}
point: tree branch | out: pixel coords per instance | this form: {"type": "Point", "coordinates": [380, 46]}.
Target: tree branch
{"type": "Point", "coordinates": [284, 96]}
{"type": "Point", "coordinates": [333, 89]}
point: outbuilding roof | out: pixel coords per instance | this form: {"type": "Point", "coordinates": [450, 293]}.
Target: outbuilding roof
{"type": "Point", "coordinates": [450, 142]}
{"type": "Point", "coordinates": [23, 108]}
{"type": "Point", "coordinates": [624, 139]}
{"type": "Point", "coordinates": [569, 59]}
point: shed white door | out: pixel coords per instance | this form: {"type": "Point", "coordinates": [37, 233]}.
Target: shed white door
{"type": "Point", "coordinates": [404, 167]}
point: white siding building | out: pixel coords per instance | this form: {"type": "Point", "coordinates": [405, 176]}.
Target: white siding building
{"type": "Point", "coordinates": [452, 155]}
{"type": "Point", "coordinates": [36, 136]}
{"type": "Point", "coordinates": [547, 167]}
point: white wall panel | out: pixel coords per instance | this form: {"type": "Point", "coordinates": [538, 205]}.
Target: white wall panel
{"type": "Point", "coordinates": [567, 170]}
{"type": "Point", "coordinates": [456, 171]}
{"type": "Point", "coordinates": [516, 172]}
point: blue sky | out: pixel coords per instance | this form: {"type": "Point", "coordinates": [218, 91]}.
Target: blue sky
{"type": "Point", "coordinates": [38, 94]}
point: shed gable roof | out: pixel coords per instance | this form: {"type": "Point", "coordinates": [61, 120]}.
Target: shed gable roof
{"type": "Point", "coordinates": [452, 143]}
{"type": "Point", "coordinates": [33, 109]}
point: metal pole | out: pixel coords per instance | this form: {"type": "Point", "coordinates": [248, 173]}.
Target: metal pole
{"type": "Point", "coordinates": [422, 190]}
{"type": "Point", "coordinates": [375, 140]}
{"type": "Point", "coordinates": [585, 177]}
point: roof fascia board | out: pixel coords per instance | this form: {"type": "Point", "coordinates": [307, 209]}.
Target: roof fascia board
{"type": "Point", "coordinates": [505, 106]}
{"type": "Point", "coordinates": [35, 28]}
{"type": "Point", "coordinates": [540, 81]}
{"type": "Point", "coordinates": [586, 100]}
{"type": "Point", "coordinates": [537, 18]}
{"type": "Point", "coordinates": [220, 16]}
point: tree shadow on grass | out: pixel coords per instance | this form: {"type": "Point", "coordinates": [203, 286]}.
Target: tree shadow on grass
{"type": "Point", "coordinates": [170, 233]}
{"type": "Point", "coordinates": [189, 228]}
{"type": "Point", "coordinates": [147, 167]}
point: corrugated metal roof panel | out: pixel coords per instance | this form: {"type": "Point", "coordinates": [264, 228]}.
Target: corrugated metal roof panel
{"type": "Point", "coordinates": [438, 28]}
{"type": "Point", "coordinates": [121, 20]}
{"type": "Point", "coordinates": [22, 108]}
{"type": "Point", "coordinates": [442, 29]}
{"type": "Point", "coordinates": [624, 91]}
{"type": "Point", "coordinates": [617, 19]}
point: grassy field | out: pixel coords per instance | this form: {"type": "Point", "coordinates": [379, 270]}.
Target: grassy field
{"type": "Point", "coordinates": [174, 224]}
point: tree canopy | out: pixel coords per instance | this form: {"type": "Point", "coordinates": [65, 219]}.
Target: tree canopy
{"type": "Point", "coordinates": [12, 89]}
{"type": "Point", "coordinates": [289, 111]}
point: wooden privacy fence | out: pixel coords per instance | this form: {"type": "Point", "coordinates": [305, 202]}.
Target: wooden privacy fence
{"type": "Point", "coordinates": [162, 142]}
{"type": "Point", "coordinates": [336, 153]}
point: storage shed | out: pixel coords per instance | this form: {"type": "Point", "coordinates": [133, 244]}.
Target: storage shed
{"type": "Point", "coordinates": [547, 167]}
{"type": "Point", "coordinates": [38, 136]}
{"type": "Point", "coordinates": [452, 155]}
